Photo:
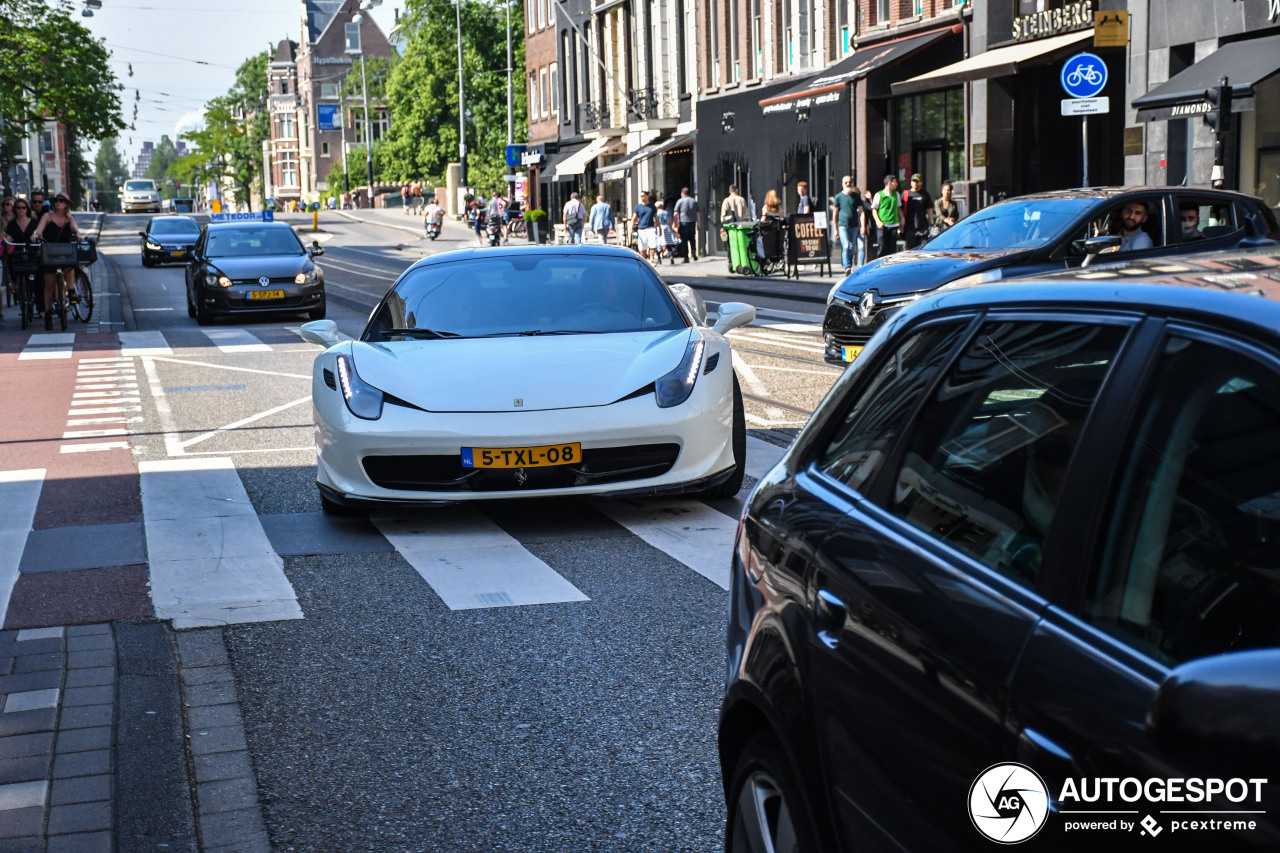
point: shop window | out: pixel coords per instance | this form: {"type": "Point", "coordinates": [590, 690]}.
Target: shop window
{"type": "Point", "coordinates": [329, 91]}
{"type": "Point", "coordinates": [842, 26]}
{"type": "Point", "coordinates": [713, 32]}
{"type": "Point", "coordinates": [754, 47]}
{"type": "Point", "coordinates": [1189, 564]}
{"type": "Point", "coordinates": [788, 42]}
{"type": "Point", "coordinates": [986, 460]}
{"type": "Point", "coordinates": [351, 32]}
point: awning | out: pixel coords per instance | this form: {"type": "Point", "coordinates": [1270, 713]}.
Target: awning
{"type": "Point", "coordinates": [1245, 64]}
{"type": "Point", "coordinates": [653, 149]}
{"type": "Point", "coordinates": [576, 163]}
{"type": "Point", "coordinates": [856, 65]}
{"type": "Point", "coordinates": [1000, 62]}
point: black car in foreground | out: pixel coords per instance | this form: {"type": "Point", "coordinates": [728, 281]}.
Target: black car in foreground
{"type": "Point", "coordinates": [1018, 578]}
{"type": "Point", "coordinates": [1038, 234]}
{"type": "Point", "coordinates": [250, 267]}
{"type": "Point", "coordinates": [168, 239]}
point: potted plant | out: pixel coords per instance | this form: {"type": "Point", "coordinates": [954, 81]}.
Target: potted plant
{"type": "Point", "coordinates": [535, 222]}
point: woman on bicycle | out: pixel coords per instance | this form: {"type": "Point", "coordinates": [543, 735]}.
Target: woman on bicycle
{"type": "Point", "coordinates": [57, 226]}
{"type": "Point", "coordinates": [6, 213]}
{"type": "Point", "coordinates": [20, 227]}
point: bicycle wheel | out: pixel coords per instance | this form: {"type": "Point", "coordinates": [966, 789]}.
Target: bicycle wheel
{"type": "Point", "coordinates": [60, 297]}
{"type": "Point", "coordinates": [84, 297]}
{"type": "Point", "coordinates": [24, 302]}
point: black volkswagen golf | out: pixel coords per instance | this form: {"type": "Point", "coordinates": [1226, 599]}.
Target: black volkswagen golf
{"type": "Point", "coordinates": [1018, 578]}
{"type": "Point", "coordinates": [1039, 234]}
{"type": "Point", "coordinates": [252, 267]}
{"type": "Point", "coordinates": [168, 239]}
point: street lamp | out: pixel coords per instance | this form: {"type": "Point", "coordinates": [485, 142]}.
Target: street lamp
{"type": "Point", "coordinates": [462, 111]}
{"type": "Point", "coordinates": [356, 19]}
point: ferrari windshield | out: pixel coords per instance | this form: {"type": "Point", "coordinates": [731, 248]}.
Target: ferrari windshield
{"type": "Point", "coordinates": [243, 241]}
{"type": "Point", "coordinates": [1017, 224]}
{"type": "Point", "coordinates": [535, 293]}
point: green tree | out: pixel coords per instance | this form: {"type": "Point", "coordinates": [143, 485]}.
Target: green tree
{"type": "Point", "coordinates": [54, 68]}
{"type": "Point", "coordinates": [110, 173]}
{"type": "Point", "coordinates": [422, 91]}
{"type": "Point", "coordinates": [230, 144]}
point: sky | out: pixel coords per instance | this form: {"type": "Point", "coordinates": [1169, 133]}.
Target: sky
{"type": "Point", "coordinates": [184, 52]}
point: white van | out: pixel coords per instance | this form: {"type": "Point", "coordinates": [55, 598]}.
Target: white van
{"type": "Point", "coordinates": [140, 195]}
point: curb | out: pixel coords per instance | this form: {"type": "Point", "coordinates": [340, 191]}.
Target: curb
{"type": "Point", "coordinates": [343, 213]}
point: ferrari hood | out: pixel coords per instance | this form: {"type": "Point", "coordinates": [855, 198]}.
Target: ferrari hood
{"type": "Point", "coordinates": [519, 374]}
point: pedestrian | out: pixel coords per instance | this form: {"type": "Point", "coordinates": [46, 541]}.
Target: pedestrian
{"type": "Point", "coordinates": [6, 216]}
{"type": "Point", "coordinates": [404, 199]}
{"type": "Point", "coordinates": [847, 216]}
{"type": "Point", "coordinates": [479, 205]}
{"type": "Point", "coordinates": [887, 211]}
{"type": "Point", "coordinates": [574, 215]}
{"type": "Point", "coordinates": [415, 196]}
{"type": "Point", "coordinates": [917, 206]}
{"type": "Point", "coordinates": [734, 208]}
{"type": "Point", "coordinates": [601, 219]}
{"type": "Point", "coordinates": [688, 221]}
{"type": "Point", "coordinates": [667, 238]}
{"type": "Point", "coordinates": [805, 204]}
{"type": "Point", "coordinates": [772, 206]}
{"type": "Point", "coordinates": [945, 212]}
{"type": "Point", "coordinates": [644, 221]}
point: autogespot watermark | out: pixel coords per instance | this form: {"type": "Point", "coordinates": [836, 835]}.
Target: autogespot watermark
{"type": "Point", "coordinates": [1009, 803]}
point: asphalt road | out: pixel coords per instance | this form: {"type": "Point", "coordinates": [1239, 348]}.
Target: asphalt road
{"type": "Point", "coordinates": [389, 716]}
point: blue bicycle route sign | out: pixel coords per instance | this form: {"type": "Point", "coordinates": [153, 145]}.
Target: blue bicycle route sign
{"type": "Point", "coordinates": [1084, 75]}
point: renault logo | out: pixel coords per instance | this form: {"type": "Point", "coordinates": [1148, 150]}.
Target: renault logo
{"type": "Point", "coordinates": [866, 307]}
{"type": "Point", "coordinates": [264, 281]}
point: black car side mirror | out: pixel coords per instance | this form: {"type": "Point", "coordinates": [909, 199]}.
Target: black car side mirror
{"type": "Point", "coordinates": [1095, 246]}
{"type": "Point", "coordinates": [1231, 697]}
{"type": "Point", "coordinates": [316, 249]}
{"type": "Point", "coordinates": [142, 234]}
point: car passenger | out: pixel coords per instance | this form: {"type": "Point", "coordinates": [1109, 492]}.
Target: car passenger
{"type": "Point", "coordinates": [1190, 216]}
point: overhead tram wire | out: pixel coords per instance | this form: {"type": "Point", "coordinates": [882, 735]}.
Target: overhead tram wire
{"type": "Point", "coordinates": [170, 56]}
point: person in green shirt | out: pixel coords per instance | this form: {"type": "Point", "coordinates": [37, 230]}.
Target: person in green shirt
{"type": "Point", "coordinates": [887, 211]}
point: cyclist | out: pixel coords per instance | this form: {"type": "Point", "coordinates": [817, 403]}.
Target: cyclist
{"type": "Point", "coordinates": [19, 228]}
{"type": "Point", "coordinates": [57, 226]}
{"type": "Point", "coordinates": [6, 213]}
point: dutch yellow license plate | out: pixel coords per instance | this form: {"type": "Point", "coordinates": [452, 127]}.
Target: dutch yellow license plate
{"type": "Point", "coordinates": [178, 253]}
{"type": "Point", "coordinates": [266, 294]}
{"type": "Point", "coordinates": [522, 457]}
{"type": "Point", "coordinates": [850, 353]}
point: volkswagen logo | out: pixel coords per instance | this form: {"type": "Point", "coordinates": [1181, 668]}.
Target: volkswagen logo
{"type": "Point", "coordinates": [264, 281]}
{"type": "Point", "coordinates": [1008, 803]}
{"type": "Point", "coordinates": [866, 307]}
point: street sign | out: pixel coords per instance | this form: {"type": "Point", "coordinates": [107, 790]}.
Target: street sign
{"type": "Point", "coordinates": [257, 216]}
{"type": "Point", "coordinates": [1085, 106]}
{"type": "Point", "coordinates": [1084, 75]}
{"type": "Point", "coordinates": [514, 153]}
{"type": "Point", "coordinates": [509, 178]}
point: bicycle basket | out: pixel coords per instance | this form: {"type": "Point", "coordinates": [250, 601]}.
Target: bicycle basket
{"type": "Point", "coordinates": [86, 253]}
{"type": "Point", "coordinates": [25, 259]}
{"type": "Point", "coordinates": [58, 254]}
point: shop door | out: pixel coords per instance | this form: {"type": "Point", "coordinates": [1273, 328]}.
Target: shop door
{"type": "Point", "coordinates": [930, 160]}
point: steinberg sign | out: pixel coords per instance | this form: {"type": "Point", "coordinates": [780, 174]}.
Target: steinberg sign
{"type": "Point", "coordinates": [1053, 22]}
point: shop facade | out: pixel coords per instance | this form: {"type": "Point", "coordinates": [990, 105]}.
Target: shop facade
{"type": "Point", "coordinates": [1192, 45]}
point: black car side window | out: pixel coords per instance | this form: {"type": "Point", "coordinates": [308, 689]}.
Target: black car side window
{"type": "Point", "coordinates": [989, 453]}
{"type": "Point", "coordinates": [1204, 217]}
{"type": "Point", "coordinates": [872, 425]}
{"type": "Point", "coordinates": [1190, 564]}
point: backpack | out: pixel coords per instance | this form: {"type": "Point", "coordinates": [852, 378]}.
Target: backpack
{"type": "Point", "coordinates": [574, 216]}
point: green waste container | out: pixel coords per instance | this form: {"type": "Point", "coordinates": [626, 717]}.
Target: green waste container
{"type": "Point", "coordinates": [742, 255]}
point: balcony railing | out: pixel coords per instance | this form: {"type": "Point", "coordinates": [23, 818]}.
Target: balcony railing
{"type": "Point", "coordinates": [593, 115]}
{"type": "Point", "coordinates": [653, 104]}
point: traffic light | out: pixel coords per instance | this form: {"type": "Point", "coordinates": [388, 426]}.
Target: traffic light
{"type": "Point", "coordinates": [1219, 119]}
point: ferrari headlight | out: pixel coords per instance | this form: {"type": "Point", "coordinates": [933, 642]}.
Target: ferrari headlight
{"type": "Point", "coordinates": [311, 276]}
{"type": "Point", "coordinates": [153, 247]}
{"type": "Point", "coordinates": [363, 399]}
{"type": "Point", "coordinates": [675, 387]}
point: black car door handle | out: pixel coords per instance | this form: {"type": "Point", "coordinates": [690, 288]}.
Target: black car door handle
{"type": "Point", "coordinates": [829, 617]}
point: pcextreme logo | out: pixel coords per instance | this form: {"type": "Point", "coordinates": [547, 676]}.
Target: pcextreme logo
{"type": "Point", "coordinates": [1008, 803]}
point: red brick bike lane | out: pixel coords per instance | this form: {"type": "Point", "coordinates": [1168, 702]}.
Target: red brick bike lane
{"type": "Point", "coordinates": [72, 403]}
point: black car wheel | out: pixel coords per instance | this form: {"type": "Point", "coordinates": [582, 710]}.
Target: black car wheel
{"type": "Point", "coordinates": [733, 485]}
{"type": "Point", "coordinates": [202, 315]}
{"type": "Point", "coordinates": [767, 813]}
{"type": "Point", "coordinates": [191, 308]}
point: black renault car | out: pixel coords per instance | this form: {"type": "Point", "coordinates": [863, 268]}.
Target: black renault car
{"type": "Point", "coordinates": [168, 239]}
{"type": "Point", "coordinates": [252, 267]}
{"type": "Point", "coordinates": [1018, 578]}
{"type": "Point", "coordinates": [1038, 234]}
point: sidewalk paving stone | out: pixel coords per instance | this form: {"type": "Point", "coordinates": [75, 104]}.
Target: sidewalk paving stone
{"type": "Point", "coordinates": [89, 642]}
{"type": "Point", "coordinates": [223, 739]}
{"type": "Point", "coordinates": [84, 842]}
{"type": "Point", "coordinates": [90, 659]}
{"type": "Point", "coordinates": [80, 789]}
{"type": "Point", "coordinates": [85, 716]}
{"type": "Point", "coordinates": [79, 817]}
{"type": "Point", "coordinates": [75, 696]}
{"type": "Point", "coordinates": [32, 768]}
{"type": "Point", "coordinates": [27, 746]}
{"type": "Point", "coordinates": [91, 763]}
{"type": "Point", "coordinates": [21, 795]}
{"type": "Point", "coordinates": [217, 766]}
{"type": "Point", "coordinates": [94, 677]}
{"type": "Point", "coordinates": [25, 722]}
{"type": "Point", "coordinates": [19, 823]}
{"type": "Point", "coordinates": [237, 827]}
{"type": "Point", "coordinates": [206, 674]}
{"type": "Point", "coordinates": [213, 716]}
{"type": "Point", "coordinates": [30, 700]}
{"type": "Point", "coordinates": [38, 663]}
{"type": "Point", "coordinates": [82, 740]}
{"type": "Point", "coordinates": [226, 795]}
{"type": "Point", "coordinates": [202, 648]}
{"type": "Point", "coordinates": [30, 681]}
{"type": "Point", "coordinates": [88, 630]}
{"type": "Point", "coordinates": [216, 693]}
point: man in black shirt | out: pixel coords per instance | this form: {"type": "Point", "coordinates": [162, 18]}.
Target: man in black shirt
{"type": "Point", "coordinates": [917, 207]}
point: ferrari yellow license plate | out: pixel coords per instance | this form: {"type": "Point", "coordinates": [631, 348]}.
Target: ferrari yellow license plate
{"type": "Point", "coordinates": [850, 353]}
{"type": "Point", "coordinates": [522, 457]}
{"type": "Point", "coordinates": [266, 294]}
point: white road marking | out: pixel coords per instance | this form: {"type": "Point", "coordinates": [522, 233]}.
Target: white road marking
{"type": "Point", "coordinates": [689, 530]}
{"type": "Point", "coordinates": [211, 561]}
{"type": "Point", "coordinates": [92, 421]}
{"type": "Point", "coordinates": [107, 360]}
{"type": "Point", "coordinates": [117, 399]}
{"type": "Point", "coordinates": [106, 410]}
{"type": "Point", "coordinates": [235, 340]}
{"type": "Point", "coordinates": [94, 448]}
{"type": "Point", "coordinates": [89, 395]}
{"type": "Point", "coordinates": [268, 413]}
{"type": "Point", "coordinates": [136, 310]}
{"type": "Point", "coordinates": [762, 456]}
{"type": "Point", "coordinates": [93, 433]}
{"type": "Point", "coordinates": [44, 353]}
{"type": "Point", "coordinates": [143, 343]}
{"type": "Point", "coordinates": [172, 445]}
{"type": "Point", "coordinates": [237, 369]}
{"type": "Point", "coordinates": [51, 339]}
{"type": "Point", "coordinates": [471, 562]}
{"type": "Point", "coordinates": [770, 424]}
{"type": "Point", "coordinates": [19, 494]}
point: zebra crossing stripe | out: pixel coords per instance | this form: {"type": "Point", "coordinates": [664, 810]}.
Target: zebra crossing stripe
{"type": "Point", "coordinates": [19, 494]}
{"type": "Point", "coordinates": [471, 562]}
{"type": "Point", "coordinates": [688, 530]}
{"type": "Point", "coordinates": [143, 343]}
{"type": "Point", "coordinates": [235, 340]}
{"type": "Point", "coordinates": [211, 562]}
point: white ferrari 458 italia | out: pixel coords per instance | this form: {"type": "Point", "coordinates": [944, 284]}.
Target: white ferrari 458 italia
{"type": "Point", "coordinates": [519, 372]}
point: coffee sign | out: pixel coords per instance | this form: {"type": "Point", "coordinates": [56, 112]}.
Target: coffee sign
{"type": "Point", "coordinates": [1054, 22]}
